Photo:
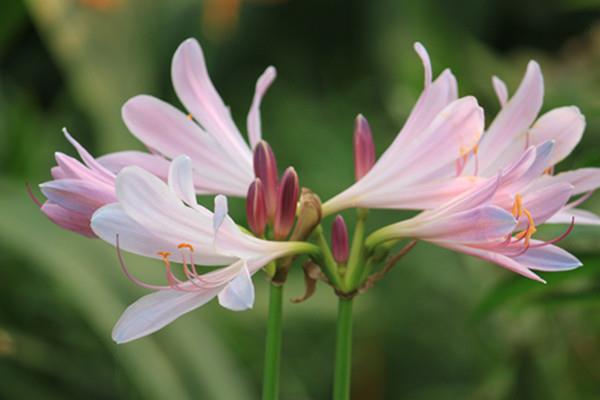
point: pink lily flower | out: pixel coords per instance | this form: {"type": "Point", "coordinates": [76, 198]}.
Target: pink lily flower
{"type": "Point", "coordinates": [164, 221]}
{"type": "Point", "coordinates": [413, 172]}
{"type": "Point", "coordinates": [472, 224]}
{"type": "Point", "coordinates": [515, 128]}
{"type": "Point", "coordinates": [77, 190]}
{"type": "Point", "coordinates": [221, 158]}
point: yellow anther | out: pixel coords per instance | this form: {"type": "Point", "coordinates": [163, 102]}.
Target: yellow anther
{"type": "Point", "coordinates": [549, 171]}
{"type": "Point", "coordinates": [475, 149]}
{"type": "Point", "coordinates": [530, 231]}
{"type": "Point", "coordinates": [164, 254]}
{"type": "Point", "coordinates": [189, 116]}
{"type": "Point", "coordinates": [186, 246]}
{"type": "Point", "coordinates": [517, 209]}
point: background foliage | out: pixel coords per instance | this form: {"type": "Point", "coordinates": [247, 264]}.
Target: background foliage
{"type": "Point", "coordinates": [441, 326]}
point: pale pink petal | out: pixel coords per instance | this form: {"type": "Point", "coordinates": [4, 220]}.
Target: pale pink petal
{"type": "Point", "coordinates": [238, 295]}
{"type": "Point", "coordinates": [68, 219]}
{"type": "Point", "coordinates": [102, 173]}
{"type": "Point", "coordinates": [155, 164]}
{"type": "Point", "coordinates": [501, 90]}
{"type": "Point", "coordinates": [544, 203]}
{"type": "Point", "coordinates": [582, 217]}
{"type": "Point", "coordinates": [548, 258]}
{"type": "Point", "coordinates": [564, 125]}
{"type": "Point", "coordinates": [514, 119]}
{"type": "Point", "coordinates": [110, 221]}
{"type": "Point", "coordinates": [583, 179]}
{"type": "Point", "coordinates": [154, 311]}
{"type": "Point", "coordinates": [253, 120]}
{"type": "Point", "coordinates": [167, 130]}
{"type": "Point", "coordinates": [481, 224]}
{"type": "Point", "coordinates": [76, 195]}
{"type": "Point", "coordinates": [221, 211]}
{"type": "Point", "coordinates": [71, 168]}
{"type": "Point", "coordinates": [422, 52]}
{"type": "Point", "coordinates": [181, 180]}
{"type": "Point", "coordinates": [196, 91]}
{"type": "Point", "coordinates": [496, 258]}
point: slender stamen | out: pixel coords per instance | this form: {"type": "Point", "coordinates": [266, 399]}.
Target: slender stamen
{"type": "Point", "coordinates": [32, 196]}
{"type": "Point", "coordinates": [558, 238]}
{"type": "Point", "coordinates": [130, 276]}
{"type": "Point", "coordinates": [580, 200]}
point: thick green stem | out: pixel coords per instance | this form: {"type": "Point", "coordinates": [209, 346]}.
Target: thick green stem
{"type": "Point", "coordinates": [343, 350]}
{"type": "Point", "coordinates": [273, 345]}
{"type": "Point", "coordinates": [355, 261]}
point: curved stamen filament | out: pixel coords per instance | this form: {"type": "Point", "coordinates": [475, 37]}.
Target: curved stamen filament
{"type": "Point", "coordinates": [32, 196]}
{"type": "Point", "coordinates": [558, 238]}
{"type": "Point", "coordinates": [130, 276]}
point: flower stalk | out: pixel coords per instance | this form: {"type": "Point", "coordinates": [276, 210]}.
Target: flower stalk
{"type": "Point", "coordinates": [273, 343]}
{"type": "Point", "coordinates": [343, 350]}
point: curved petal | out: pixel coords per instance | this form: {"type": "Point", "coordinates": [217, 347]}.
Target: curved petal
{"type": "Point", "coordinates": [495, 258]}
{"type": "Point", "coordinates": [196, 91]}
{"type": "Point", "coordinates": [582, 217]}
{"type": "Point", "coordinates": [89, 160]}
{"type": "Point", "coordinates": [154, 311]}
{"type": "Point", "coordinates": [514, 119]}
{"type": "Point", "coordinates": [238, 295]}
{"type": "Point", "coordinates": [548, 258]}
{"type": "Point", "coordinates": [544, 203]}
{"type": "Point", "coordinates": [67, 219]}
{"type": "Point", "coordinates": [500, 89]}
{"type": "Point", "coordinates": [76, 195]}
{"type": "Point", "coordinates": [253, 121]}
{"type": "Point", "coordinates": [153, 163]}
{"type": "Point", "coordinates": [181, 180]}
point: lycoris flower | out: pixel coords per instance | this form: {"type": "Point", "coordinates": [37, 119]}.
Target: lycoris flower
{"type": "Point", "coordinates": [163, 221]}
{"type": "Point", "coordinates": [413, 173]}
{"type": "Point", "coordinates": [221, 158]}
{"type": "Point", "coordinates": [472, 224]}
{"type": "Point", "coordinates": [77, 190]}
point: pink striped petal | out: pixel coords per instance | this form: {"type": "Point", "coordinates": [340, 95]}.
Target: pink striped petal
{"type": "Point", "coordinates": [253, 120]}
{"type": "Point", "coordinates": [155, 164]}
{"type": "Point", "coordinates": [514, 118]}
{"type": "Point", "coordinates": [101, 172]}
{"type": "Point", "coordinates": [544, 203]}
{"type": "Point", "coordinates": [582, 217]}
{"type": "Point", "coordinates": [196, 91]}
{"type": "Point", "coordinates": [83, 197]}
{"type": "Point", "coordinates": [548, 258]}
{"type": "Point", "coordinates": [68, 219]}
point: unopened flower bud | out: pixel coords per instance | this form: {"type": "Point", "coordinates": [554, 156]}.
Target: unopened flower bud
{"type": "Point", "coordinates": [339, 240]}
{"type": "Point", "coordinates": [309, 215]}
{"type": "Point", "coordinates": [256, 210]}
{"type": "Point", "coordinates": [265, 168]}
{"type": "Point", "coordinates": [364, 148]}
{"type": "Point", "coordinates": [287, 200]}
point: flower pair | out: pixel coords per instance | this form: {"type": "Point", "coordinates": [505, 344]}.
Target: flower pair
{"type": "Point", "coordinates": [481, 192]}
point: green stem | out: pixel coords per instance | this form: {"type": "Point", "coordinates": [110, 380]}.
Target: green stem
{"type": "Point", "coordinates": [343, 351]}
{"type": "Point", "coordinates": [329, 264]}
{"type": "Point", "coordinates": [273, 345]}
{"type": "Point", "coordinates": [355, 261]}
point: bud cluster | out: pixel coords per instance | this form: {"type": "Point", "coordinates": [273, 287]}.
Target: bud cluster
{"type": "Point", "coordinates": [271, 201]}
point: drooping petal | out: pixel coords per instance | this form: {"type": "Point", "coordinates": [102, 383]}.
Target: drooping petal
{"type": "Point", "coordinates": [254, 120]}
{"type": "Point", "coordinates": [154, 311]}
{"type": "Point", "coordinates": [548, 258]}
{"type": "Point", "coordinates": [196, 91]}
{"type": "Point", "coordinates": [495, 258]}
{"type": "Point", "coordinates": [238, 295]}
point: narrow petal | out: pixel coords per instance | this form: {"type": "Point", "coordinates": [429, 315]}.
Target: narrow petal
{"type": "Point", "coordinates": [196, 91]}
{"type": "Point", "coordinates": [501, 90]}
{"type": "Point", "coordinates": [156, 310]}
{"type": "Point", "coordinates": [254, 120]}
{"type": "Point", "coordinates": [544, 203]}
{"type": "Point", "coordinates": [422, 52]}
{"type": "Point", "coordinates": [238, 295]}
{"type": "Point", "coordinates": [90, 161]}
{"type": "Point", "coordinates": [76, 195]}
{"type": "Point", "coordinates": [583, 180]}
{"type": "Point", "coordinates": [221, 211]}
{"type": "Point", "coordinates": [155, 164]}
{"type": "Point", "coordinates": [514, 118]}
{"type": "Point", "coordinates": [548, 258]}
{"type": "Point", "coordinates": [495, 258]}
{"type": "Point", "coordinates": [582, 217]}
{"type": "Point", "coordinates": [67, 219]}
{"type": "Point", "coordinates": [181, 180]}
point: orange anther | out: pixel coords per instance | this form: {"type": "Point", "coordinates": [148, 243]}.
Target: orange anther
{"type": "Point", "coordinates": [186, 246]}
{"type": "Point", "coordinates": [189, 116]}
{"type": "Point", "coordinates": [517, 209]}
{"type": "Point", "coordinates": [164, 254]}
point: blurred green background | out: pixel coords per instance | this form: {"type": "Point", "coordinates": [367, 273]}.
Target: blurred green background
{"type": "Point", "coordinates": [441, 326]}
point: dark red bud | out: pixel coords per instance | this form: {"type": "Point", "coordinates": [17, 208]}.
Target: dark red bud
{"type": "Point", "coordinates": [256, 210]}
{"type": "Point", "coordinates": [364, 148]}
{"type": "Point", "coordinates": [339, 240]}
{"type": "Point", "coordinates": [287, 201]}
{"type": "Point", "coordinates": [265, 168]}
